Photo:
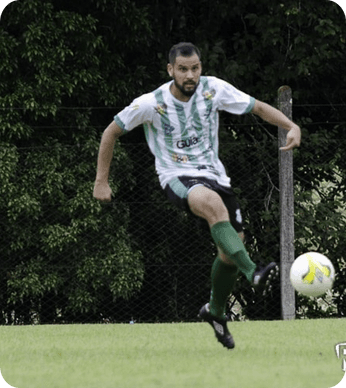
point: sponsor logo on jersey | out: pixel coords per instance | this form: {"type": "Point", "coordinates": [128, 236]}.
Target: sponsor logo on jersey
{"type": "Point", "coordinates": [168, 129]}
{"type": "Point", "coordinates": [180, 158]}
{"type": "Point", "coordinates": [208, 167]}
{"type": "Point", "coordinates": [187, 142]}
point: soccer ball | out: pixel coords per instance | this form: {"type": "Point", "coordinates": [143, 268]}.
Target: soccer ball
{"type": "Point", "coordinates": [312, 274]}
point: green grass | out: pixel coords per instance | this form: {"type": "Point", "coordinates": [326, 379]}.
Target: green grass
{"type": "Point", "coordinates": [287, 354]}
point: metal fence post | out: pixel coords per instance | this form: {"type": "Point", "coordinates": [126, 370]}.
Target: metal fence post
{"type": "Point", "coordinates": [286, 209]}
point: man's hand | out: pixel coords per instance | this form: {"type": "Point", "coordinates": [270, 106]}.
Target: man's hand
{"type": "Point", "coordinates": [102, 192]}
{"type": "Point", "coordinates": [293, 139]}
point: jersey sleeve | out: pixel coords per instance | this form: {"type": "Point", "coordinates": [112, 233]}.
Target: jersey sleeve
{"type": "Point", "coordinates": [233, 100]}
{"type": "Point", "coordinates": [140, 111]}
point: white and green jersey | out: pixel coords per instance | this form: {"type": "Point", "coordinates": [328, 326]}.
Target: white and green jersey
{"type": "Point", "coordinates": [183, 136]}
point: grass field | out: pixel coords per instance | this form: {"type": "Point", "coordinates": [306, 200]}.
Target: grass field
{"type": "Point", "coordinates": [280, 354]}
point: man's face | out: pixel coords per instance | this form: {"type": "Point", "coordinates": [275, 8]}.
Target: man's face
{"type": "Point", "coordinates": [186, 72]}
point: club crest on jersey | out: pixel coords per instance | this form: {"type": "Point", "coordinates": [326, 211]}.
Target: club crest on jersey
{"type": "Point", "coordinates": [161, 109]}
{"type": "Point", "coordinates": [209, 94]}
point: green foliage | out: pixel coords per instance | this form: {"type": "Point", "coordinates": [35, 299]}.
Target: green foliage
{"type": "Point", "coordinates": [53, 231]}
{"type": "Point", "coordinates": [52, 227]}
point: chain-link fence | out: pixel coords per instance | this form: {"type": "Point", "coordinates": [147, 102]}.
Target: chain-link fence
{"type": "Point", "coordinates": [67, 258]}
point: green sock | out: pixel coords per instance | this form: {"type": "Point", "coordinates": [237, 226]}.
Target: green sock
{"type": "Point", "coordinates": [226, 237]}
{"type": "Point", "coordinates": [223, 278]}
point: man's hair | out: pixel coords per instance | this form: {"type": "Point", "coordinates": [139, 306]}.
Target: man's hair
{"type": "Point", "coordinates": [185, 49]}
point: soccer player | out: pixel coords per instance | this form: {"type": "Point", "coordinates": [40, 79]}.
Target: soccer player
{"type": "Point", "coordinates": [181, 124]}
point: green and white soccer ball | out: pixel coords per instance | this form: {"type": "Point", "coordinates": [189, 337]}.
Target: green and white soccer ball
{"type": "Point", "coordinates": [312, 274]}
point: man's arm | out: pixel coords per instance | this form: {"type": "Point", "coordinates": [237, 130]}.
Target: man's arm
{"type": "Point", "coordinates": [275, 117]}
{"type": "Point", "coordinates": [102, 191]}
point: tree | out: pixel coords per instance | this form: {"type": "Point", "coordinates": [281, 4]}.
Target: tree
{"type": "Point", "coordinates": [52, 228]}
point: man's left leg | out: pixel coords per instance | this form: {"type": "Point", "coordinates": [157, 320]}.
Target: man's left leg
{"type": "Point", "coordinates": [223, 279]}
{"type": "Point", "coordinates": [232, 256]}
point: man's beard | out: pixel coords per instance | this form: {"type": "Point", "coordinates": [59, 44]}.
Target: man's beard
{"type": "Point", "coordinates": [187, 93]}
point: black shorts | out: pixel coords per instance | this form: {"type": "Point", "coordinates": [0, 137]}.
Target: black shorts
{"type": "Point", "coordinates": [179, 188]}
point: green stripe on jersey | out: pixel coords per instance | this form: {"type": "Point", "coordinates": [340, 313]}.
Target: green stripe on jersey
{"type": "Point", "coordinates": [165, 122]}
{"type": "Point", "coordinates": [197, 120]}
{"type": "Point", "coordinates": [209, 106]}
{"type": "Point", "coordinates": [149, 128]}
{"type": "Point", "coordinates": [213, 132]}
{"type": "Point", "coordinates": [182, 118]}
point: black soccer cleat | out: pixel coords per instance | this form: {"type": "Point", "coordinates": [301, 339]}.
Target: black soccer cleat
{"type": "Point", "coordinates": [219, 325]}
{"type": "Point", "coordinates": [264, 277]}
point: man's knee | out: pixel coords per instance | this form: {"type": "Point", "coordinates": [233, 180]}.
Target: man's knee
{"type": "Point", "coordinates": [207, 204]}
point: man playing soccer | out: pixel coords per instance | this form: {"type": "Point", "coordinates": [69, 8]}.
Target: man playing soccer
{"type": "Point", "coordinates": [181, 125]}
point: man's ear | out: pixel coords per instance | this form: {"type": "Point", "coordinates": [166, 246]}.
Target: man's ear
{"type": "Point", "coordinates": [170, 69]}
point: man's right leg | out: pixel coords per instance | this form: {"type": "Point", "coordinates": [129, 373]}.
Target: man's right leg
{"type": "Point", "coordinates": [207, 204]}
